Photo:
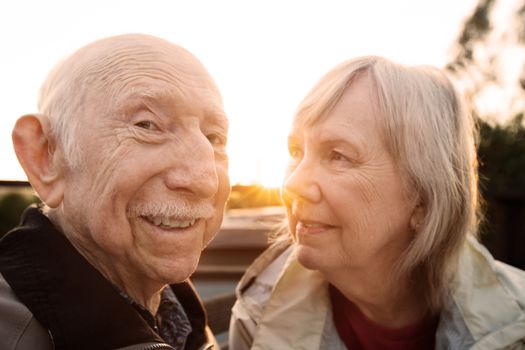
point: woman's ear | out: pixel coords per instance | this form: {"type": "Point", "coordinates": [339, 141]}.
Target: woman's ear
{"type": "Point", "coordinates": [36, 152]}
{"type": "Point", "coordinates": [418, 215]}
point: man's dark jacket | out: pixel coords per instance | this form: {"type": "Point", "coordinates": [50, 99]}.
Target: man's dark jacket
{"type": "Point", "coordinates": [49, 290]}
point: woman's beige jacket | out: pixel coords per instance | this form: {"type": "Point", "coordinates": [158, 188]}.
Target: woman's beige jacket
{"type": "Point", "coordinates": [281, 305]}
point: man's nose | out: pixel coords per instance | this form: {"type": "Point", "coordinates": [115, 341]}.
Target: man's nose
{"type": "Point", "coordinates": [193, 167]}
{"type": "Point", "coordinates": [302, 183]}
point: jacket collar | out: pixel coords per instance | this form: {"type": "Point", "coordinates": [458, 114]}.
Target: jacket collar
{"type": "Point", "coordinates": [485, 309]}
{"type": "Point", "coordinates": [68, 296]}
{"type": "Point", "coordinates": [296, 312]}
{"type": "Point", "coordinates": [486, 306]}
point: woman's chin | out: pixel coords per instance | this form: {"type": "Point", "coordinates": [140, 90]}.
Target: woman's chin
{"type": "Point", "coordinates": [308, 257]}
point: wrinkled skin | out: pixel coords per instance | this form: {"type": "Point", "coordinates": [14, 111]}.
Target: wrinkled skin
{"type": "Point", "coordinates": [150, 190]}
{"type": "Point", "coordinates": [350, 207]}
{"type": "Point", "coordinates": [347, 202]}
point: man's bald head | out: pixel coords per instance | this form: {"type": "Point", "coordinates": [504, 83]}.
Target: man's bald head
{"type": "Point", "coordinates": [95, 75]}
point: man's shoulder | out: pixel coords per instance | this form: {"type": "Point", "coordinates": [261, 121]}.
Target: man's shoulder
{"type": "Point", "coordinates": [18, 327]}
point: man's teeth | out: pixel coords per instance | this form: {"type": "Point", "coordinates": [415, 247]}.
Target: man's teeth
{"type": "Point", "coordinates": [171, 223]}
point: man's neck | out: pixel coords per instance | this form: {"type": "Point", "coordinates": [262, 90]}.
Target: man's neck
{"type": "Point", "coordinates": [144, 293]}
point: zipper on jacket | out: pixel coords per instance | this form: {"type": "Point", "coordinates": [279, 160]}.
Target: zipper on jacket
{"type": "Point", "coordinates": [159, 346]}
{"type": "Point", "coordinates": [163, 346]}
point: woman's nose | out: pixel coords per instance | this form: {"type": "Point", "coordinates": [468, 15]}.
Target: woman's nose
{"type": "Point", "coordinates": [302, 183]}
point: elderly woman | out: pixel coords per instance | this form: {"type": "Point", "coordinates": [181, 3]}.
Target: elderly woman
{"type": "Point", "coordinates": [381, 196]}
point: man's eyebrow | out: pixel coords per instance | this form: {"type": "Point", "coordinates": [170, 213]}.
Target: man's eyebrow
{"type": "Point", "coordinates": [127, 107]}
{"type": "Point", "coordinates": [143, 98]}
{"type": "Point", "coordinates": [218, 119]}
{"type": "Point", "coordinates": [147, 98]}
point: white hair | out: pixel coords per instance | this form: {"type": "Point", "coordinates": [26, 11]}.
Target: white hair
{"type": "Point", "coordinates": [179, 209]}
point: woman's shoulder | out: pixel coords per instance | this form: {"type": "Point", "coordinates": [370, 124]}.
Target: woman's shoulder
{"type": "Point", "coordinates": [488, 300]}
{"type": "Point", "coordinates": [282, 305]}
{"type": "Point", "coordinates": [479, 269]}
{"type": "Point", "coordinates": [253, 292]}
{"type": "Point", "coordinates": [262, 275]}
{"type": "Point", "coordinates": [18, 327]}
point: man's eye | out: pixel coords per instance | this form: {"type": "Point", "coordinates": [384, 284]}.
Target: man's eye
{"type": "Point", "coordinates": [147, 124]}
{"type": "Point", "coordinates": [217, 140]}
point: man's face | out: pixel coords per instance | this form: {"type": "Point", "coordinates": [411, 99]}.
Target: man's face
{"type": "Point", "coordinates": [151, 188]}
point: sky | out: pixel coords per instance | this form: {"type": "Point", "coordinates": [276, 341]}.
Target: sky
{"type": "Point", "coordinates": [264, 55]}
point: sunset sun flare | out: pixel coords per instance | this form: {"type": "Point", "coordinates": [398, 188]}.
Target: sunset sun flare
{"type": "Point", "coordinates": [264, 56]}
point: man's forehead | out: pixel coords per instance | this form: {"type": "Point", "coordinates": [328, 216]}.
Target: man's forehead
{"type": "Point", "coordinates": [173, 98]}
{"type": "Point", "coordinates": [114, 55]}
{"type": "Point", "coordinates": [107, 67]}
{"type": "Point", "coordinates": [142, 68]}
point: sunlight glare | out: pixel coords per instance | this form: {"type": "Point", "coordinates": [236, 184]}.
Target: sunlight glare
{"type": "Point", "coordinates": [264, 56]}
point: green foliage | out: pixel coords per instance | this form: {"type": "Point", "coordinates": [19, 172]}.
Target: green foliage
{"type": "Point", "coordinates": [12, 205]}
{"type": "Point", "coordinates": [474, 30]}
{"type": "Point", "coordinates": [487, 57]}
{"type": "Point", "coordinates": [480, 62]}
{"type": "Point", "coordinates": [501, 156]}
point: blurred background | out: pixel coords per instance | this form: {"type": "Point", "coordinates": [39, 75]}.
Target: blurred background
{"type": "Point", "coordinates": [265, 56]}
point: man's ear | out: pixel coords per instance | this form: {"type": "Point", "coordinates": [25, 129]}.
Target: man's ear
{"type": "Point", "coordinates": [36, 152]}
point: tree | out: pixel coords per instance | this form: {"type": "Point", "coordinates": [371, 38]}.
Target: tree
{"type": "Point", "coordinates": [489, 62]}
{"type": "Point", "coordinates": [488, 59]}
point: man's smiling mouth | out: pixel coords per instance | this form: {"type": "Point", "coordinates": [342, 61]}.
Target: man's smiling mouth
{"type": "Point", "coordinates": [169, 222]}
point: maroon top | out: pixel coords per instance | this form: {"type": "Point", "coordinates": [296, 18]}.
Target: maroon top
{"type": "Point", "coordinates": [360, 333]}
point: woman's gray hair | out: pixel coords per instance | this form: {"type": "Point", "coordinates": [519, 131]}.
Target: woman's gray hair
{"type": "Point", "coordinates": [431, 135]}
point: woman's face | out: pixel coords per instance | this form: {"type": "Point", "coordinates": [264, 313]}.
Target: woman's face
{"type": "Point", "coordinates": [348, 206]}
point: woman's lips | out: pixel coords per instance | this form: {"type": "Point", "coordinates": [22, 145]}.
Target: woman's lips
{"type": "Point", "coordinates": [311, 227]}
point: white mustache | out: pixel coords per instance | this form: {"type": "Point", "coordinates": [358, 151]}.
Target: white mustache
{"type": "Point", "coordinates": [173, 209]}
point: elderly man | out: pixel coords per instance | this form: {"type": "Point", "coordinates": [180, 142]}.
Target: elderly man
{"type": "Point", "coordinates": [128, 155]}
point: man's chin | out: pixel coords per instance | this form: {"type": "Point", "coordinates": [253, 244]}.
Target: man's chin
{"type": "Point", "coordinates": [178, 271]}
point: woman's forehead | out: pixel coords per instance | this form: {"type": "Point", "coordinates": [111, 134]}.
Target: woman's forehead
{"type": "Point", "coordinates": [357, 104]}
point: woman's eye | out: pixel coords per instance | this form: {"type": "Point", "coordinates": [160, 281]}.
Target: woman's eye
{"type": "Point", "coordinates": [295, 152]}
{"type": "Point", "coordinates": [338, 156]}
{"type": "Point", "coordinates": [147, 124]}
